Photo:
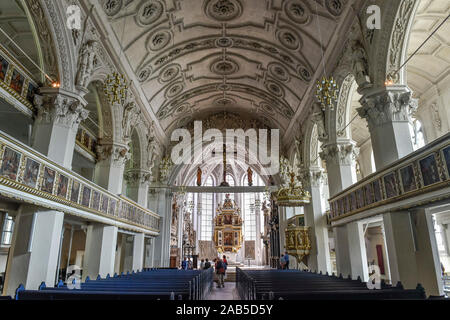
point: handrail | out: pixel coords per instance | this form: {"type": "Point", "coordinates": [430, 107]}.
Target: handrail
{"type": "Point", "coordinates": [25, 170]}
{"type": "Point", "coordinates": [423, 171]}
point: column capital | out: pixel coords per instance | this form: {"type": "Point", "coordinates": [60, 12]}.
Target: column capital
{"type": "Point", "coordinates": [60, 107]}
{"type": "Point", "coordinates": [388, 104]}
{"type": "Point", "coordinates": [137, 177]}
{"type": "Point", "coordinates": [342, 153]}
{"type": "Point", "coordinates": [311, 177]}
{"type": "Point", "coordinates": [118, 153]}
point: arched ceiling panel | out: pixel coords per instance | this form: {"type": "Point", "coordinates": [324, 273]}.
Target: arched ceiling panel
{"type": "Point", "coordinates": [196, 56]}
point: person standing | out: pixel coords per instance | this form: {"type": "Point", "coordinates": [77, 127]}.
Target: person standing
{"type": "Point", "coordinates": [184, 264]}
{"type": "Point", "coordinates": [286, 258]}
{"type": "Point", "coordinates": [220, 271]}
{"type": "Point", "coordinates": [202, 264]}
{"type": "Point", "coordinates": [207, 264]}
{"type": "Point", "coordinates": [282, 262]}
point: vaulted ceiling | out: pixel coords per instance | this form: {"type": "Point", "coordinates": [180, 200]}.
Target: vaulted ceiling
{"type": "Point", "coordinates": [197, 57]}
{"type": "Point", "coordinates": [432, 63]}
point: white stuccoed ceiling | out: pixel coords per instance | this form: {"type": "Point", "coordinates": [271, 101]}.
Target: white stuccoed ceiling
{"type": "Point", "coordinates": [197, 57]}
{"type": "Point", "coordinates": [432, 63]}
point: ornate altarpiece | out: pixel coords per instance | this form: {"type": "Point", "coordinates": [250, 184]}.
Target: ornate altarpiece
{"type": "Point", "coordinates": [228, 227]}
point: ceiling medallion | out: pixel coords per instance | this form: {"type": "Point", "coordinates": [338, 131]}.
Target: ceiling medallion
{"type": "Point", "coordinates": [169, 73]}
{"type": "Point", "coordinates": [144, 74]}
{"type": "Point", "coordinates": [224, 102]}
{"type": "Point", "coordinates": [223, 87]}
{"type": "Point", "coordinates": [224, 67]}
{"type": "Point", "coordinates": [149, 12]}
{"type": "Point", "coordinates": [174, 90]}
{"type": "Point", "coordinates": [278, 71]}
{"type": "Point", "coordinates": [304, 73]}
{"type": "Point", "coordinates": [112, 7]}
{"type": "Point", "coordinates": [274, 88]}
{"type": "Point", "coordinates": [335, 7]}
{"type": "Point", "coordinates": [297, 11]}
{"type": "Point", "coordinates": [267, 108]}
{"type": "Point", "coordinates": [224, 42]}
{"type": "Point", "coordinates": [158, 40]}
{"type": "Point", "coordinates": [223, 10]}
{"type": "Point", "coordinates": [182, 108]}
{"type": "Point", "coordinates": [289, 39]}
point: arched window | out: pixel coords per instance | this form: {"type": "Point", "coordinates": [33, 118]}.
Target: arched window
{"type": "Point", "coordinates": [417, 134]}
{"type": "Point", "coordinates": [207, 213]}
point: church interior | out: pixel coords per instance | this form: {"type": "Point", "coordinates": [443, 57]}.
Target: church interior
{"type": "Point", "coordinates": [283, 149]}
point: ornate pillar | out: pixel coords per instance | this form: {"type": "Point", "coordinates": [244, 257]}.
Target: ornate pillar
{"type": "Point", "coordinates": [59, 113]}
{"type": "Point", "coordinates": [110, 168]}
{"type": "Point", "coordinates": [388, 111]}
{"type": "Point", "coordinates": [114, 154]}
{"type": "Point", "coordinates": [340, 158]}
{"type": "Point", "coordinates": [316, 219]}
{"type": "Point", "coordinates": [137, 185]}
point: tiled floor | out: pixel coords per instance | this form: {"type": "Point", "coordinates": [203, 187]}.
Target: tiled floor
{"type": "Point", "coordinates": [226, 293]}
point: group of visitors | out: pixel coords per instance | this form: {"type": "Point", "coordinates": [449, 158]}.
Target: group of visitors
{"type": "Point", "coordinates": [284, 261]}
{"type": "Point", "coordinates": [205, 264]}
{"type": "Point", "coordinates": [187, 264]}
{"type": "Point", "coordinates": [220, 265]}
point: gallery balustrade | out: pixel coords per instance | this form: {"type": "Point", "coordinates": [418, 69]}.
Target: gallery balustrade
{"type": "Point", "coordinates": [28, 176]}
{"type": "Point", "coordinates": [424, 175]}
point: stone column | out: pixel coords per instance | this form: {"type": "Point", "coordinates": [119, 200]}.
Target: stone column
{"type": "Point", "coordinates": [138, 252]}
{"type": "Point", "coordinates": [161, 201]}
{"type": "Point", "coordinates": [148, 253]}
{"type": "Point", "coordinates": [316, 219]}
{"type": "Point", "coordinates": [340, 159]}
{"type": "Point", "coordinates": [357, 250]}
{"type": "Point", "coordinates": [343, 263]}
{"type": "Point", "coordinates": [109, 171]}
{"type": "Point", "coordinates": [258, 251]}
{"type": "Point", "coordinates": [341, 172]}
{"type": "Point", "coordinates": [54, 131]}
{"type": "Point", "coordinates": [137, 184]}
{"type": "Point", "coordinates": [33, 257]}
{"type": "Point", "coordinates": [412, 250]}
{"type": "Point", "coordinates": [387, 111]}
{"type": "Point", "coordinates": [100, 251]}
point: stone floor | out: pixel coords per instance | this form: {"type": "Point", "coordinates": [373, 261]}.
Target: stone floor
{"type": "Point", "coordinates": [227, 293]}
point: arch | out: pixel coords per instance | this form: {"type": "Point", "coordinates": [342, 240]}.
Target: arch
{"type": "Point", "coordinates": [391, 42]}
{"type": "Point", "coordinates": [54, 40]}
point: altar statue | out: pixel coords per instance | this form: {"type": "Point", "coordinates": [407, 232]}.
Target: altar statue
{"type": "Point", "coordinates": [199, 177]}
{"type": "Point", "coordinates": [250, 176]}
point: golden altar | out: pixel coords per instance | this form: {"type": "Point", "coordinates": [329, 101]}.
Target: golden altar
{"type": "Point", "coordinates": [228, 227]}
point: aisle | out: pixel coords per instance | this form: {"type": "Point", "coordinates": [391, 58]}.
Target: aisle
{"type": "Point", "coordinates": [226, 293]}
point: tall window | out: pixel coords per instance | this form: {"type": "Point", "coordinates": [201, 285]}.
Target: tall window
{"type": "Point", "coordinates": [7, 230]}
{"type": "Point", "coordinates": [207, 213]}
